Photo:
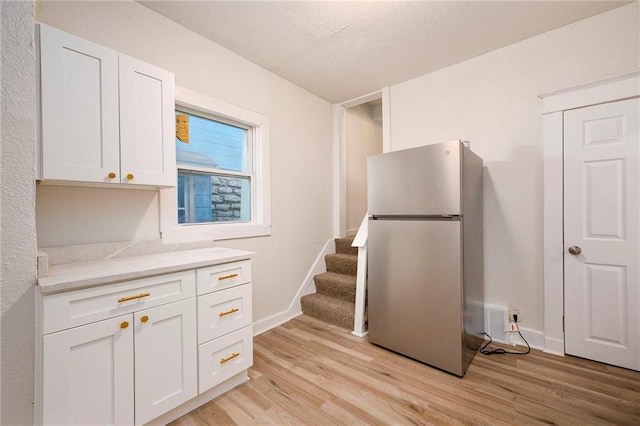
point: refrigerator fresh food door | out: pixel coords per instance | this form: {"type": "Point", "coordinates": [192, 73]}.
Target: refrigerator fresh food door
{"type": "Point", "coordinates": [420, 181]}
{"type": "Point", "coordinates": [415, 290]}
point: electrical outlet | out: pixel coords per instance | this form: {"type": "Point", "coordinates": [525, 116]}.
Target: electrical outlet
{"type": "Point", "coordinates": [514, 311]}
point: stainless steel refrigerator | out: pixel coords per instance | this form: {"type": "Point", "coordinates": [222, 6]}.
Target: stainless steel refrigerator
{"type": "Point", "coordinates": [425, 273]}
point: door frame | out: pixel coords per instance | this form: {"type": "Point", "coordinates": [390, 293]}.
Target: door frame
{"type": "Point", "coordinates": [340, 152]}
{"type": "Point", "coordinates": [554, 104]}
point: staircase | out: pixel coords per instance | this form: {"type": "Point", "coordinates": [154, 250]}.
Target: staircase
{"type": "Point", "coordinates": [334, 300]}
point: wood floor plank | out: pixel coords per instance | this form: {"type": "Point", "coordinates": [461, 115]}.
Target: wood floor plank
{"type": "Point", "coordinates": [306, 372]}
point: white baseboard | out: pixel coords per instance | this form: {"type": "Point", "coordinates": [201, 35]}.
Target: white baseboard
{"type": "Point", "coordinates": [554, 346]}
{"type": "Point", "coordinates": [270, 322]}
{"type": "Point", "coordinates": [495, 320]}
{"type": "Point", "coordinates": [308, 286]}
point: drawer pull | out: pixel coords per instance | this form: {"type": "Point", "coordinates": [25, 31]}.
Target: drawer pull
{"type": "Point", "coordinates": [229, 312]}
{"type": "Point", "coordinates": [139, 296]}
{"type": "Point", "coordinates": [226, 277]}
{"type": "Point", "coordinates": [229, 358]}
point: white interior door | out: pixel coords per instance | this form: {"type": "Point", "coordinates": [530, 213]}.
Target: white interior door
{"type": "Point", "coordinates": [601, 233]}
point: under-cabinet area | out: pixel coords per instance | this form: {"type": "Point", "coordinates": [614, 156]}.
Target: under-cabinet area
{"type": "Point", "coordinates": [141, 339]}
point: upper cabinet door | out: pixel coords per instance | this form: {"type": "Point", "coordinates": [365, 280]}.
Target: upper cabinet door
{"type": "Point", "coordinates": [79, 90]}
{"type": "Point", "coordinates": [147, 124]}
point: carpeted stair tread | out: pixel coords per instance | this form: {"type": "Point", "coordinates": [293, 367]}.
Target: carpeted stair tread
{"type": "Point", "coordinates": [329, 309]}
{"type": "Point", "coordinates": [340, 286]}
{"type": "Point", "coordinates": [341, 263]}
{"type": "Point", "coordinates": [343, 245]}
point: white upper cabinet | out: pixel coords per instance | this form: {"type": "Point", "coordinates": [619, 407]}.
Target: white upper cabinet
{"type": "Point", "coordinates": [147, 123]}
{"type": "Point", "coordinates": [106, 118]}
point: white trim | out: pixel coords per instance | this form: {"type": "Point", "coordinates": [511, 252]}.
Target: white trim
{"type": "Point", "coordinates": [553, 346]}
{"type": "Point", "coordinates": [261, 198]}
{"type": "Point", "coordinates": [340, 151]}
{"type": "Point", "coordinates": [386, 120]}
{"type": "Point", "coordinates": [272, 321]}
{"type": "Point", "coordinates": [339, 171]}
{"type": "Point", "coordinates": [308, 285]}
{"type": "Point", "coordinates": [553, 228]}
{"type": "Point", "coordinates": [597, 92]}
{"type": "Point", "coordinates": [554, 105]}
{"type": "Point", "coordinates": [361, 290]}
{"type": "Point", "coordinates": [362, 99]}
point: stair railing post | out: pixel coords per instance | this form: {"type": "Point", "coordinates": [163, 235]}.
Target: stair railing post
{"type": "Point", "coordinates": [360, 241]}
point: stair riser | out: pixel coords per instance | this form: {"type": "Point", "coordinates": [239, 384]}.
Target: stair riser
{"type": "Point", "coordinates": [341, 265]}
{"type": "Point", "coordinates": [343, 245]}
{"type": "Point", "coordinates": [332, 290]}
{"type": "Point", "coordinates": [336, 315]}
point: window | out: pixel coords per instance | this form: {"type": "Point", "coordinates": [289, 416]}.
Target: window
{"type": "Point", "coordinates": [222, 157]}
{"type": "Point", "coordinates": [215, 171]}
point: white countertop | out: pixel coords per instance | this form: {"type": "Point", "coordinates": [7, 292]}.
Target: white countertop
{"type": "Point", "coordinates": [73, 276]}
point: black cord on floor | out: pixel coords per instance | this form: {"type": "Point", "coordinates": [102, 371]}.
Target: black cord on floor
{"type": "Point", "coordinates": [500, 351]}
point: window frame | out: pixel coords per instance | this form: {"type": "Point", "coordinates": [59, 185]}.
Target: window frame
{"type": "Point", "coordinates": [249, 165]}
{"type": "Point", "coordinates": [260, 223]}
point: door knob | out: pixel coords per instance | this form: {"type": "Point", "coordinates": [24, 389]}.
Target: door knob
{"type": "Point", "coordinates": [575, 250]}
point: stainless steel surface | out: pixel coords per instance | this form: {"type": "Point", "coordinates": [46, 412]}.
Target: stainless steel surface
{"type": "Point", "coordinates": [415, 289]}
{"type": "Point", "coordinates": [575, 250]}
{"type": "Point", "coordinates": [473, 255]}
{"type": "Point", "coordinates": [426, 284]}
{"type": "Point", "coordinates": [418, 181]}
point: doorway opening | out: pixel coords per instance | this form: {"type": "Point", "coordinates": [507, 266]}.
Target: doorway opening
{"type": "Point", "coordinates": [361, 129]}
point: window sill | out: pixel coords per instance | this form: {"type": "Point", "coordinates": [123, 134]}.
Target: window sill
{"type": "Point", "coordinates": [226, 231]}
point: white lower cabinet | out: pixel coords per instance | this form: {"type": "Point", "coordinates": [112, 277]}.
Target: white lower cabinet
{"type": "Point", "coordinates": [88, 374]}
{"type": "Point", "coordinates": [166, 358]}
{"type": "Point", "coordinates": [224, 357]}
{"type": "Point", "coordinates": [144, 350]}
{"type": "Point", "coordinates": [89, 370]}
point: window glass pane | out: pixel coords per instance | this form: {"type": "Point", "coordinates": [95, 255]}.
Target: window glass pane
{"type": "Point", "coordinates": [213, 144]}
{"type": "Point", "coordinates": [205, 197]}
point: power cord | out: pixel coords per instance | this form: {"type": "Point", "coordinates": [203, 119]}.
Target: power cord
{"type": "Point", "coordinates": [500, 351]}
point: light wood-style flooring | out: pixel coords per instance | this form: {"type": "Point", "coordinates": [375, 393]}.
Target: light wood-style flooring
{"type": "Point", "coordinates": [306, 372]}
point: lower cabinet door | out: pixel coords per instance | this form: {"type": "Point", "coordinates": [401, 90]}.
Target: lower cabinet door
{"type": "Point", "coordinates": [224, 357]}
{"type": "Point", "coordinates": [166, 358]}
{"type": "Point", "coordinates": [88, 374]}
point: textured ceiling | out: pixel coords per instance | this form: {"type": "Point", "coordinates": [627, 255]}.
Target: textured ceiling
{"type": "Point", "coordinates": [340, 50]}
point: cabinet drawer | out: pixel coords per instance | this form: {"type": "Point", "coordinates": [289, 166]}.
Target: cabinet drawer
{"type": "Point", "coordinates": [224, 311]}
{"type": "Point", "coordinates": [224, 357]}
{"type": "Point", "coordinates": [73, 308]}
{"type": "Point", "coordinates": [223, 276]}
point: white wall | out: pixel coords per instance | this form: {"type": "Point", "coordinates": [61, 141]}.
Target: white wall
{"type": "Point", "coordinates": [301, 151]}
{"type": "Point", "coordinates": [492, 100]}
{"type": "Point", "coordinates": [17, 216]}
{"type": "Point", "coordinates": [364, 138]}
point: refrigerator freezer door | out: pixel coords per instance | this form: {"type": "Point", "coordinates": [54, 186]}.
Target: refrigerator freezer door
{"type": "Point", "coordinates": [415, 290]}
{"type": "Point", "coordinates": [415, 182]}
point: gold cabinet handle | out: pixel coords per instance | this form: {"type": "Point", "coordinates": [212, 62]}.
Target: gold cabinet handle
{"type": "Point", "coordinates": [229, 358]}
{"type": "Point", "coordinates": [130, 176]}
{"type": "Point", "coordinates": [229, 312]}
{"type": "Point", "coordinates": [112, 175]}
{"type": "Point", "coordinates": [124, 325]}
{"type": "Point", "coordinates": [139, 296]}
{"type": "Point", "coordinates": [226, 277]}
{"type": "Point", "coordinates": [144, 318]}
